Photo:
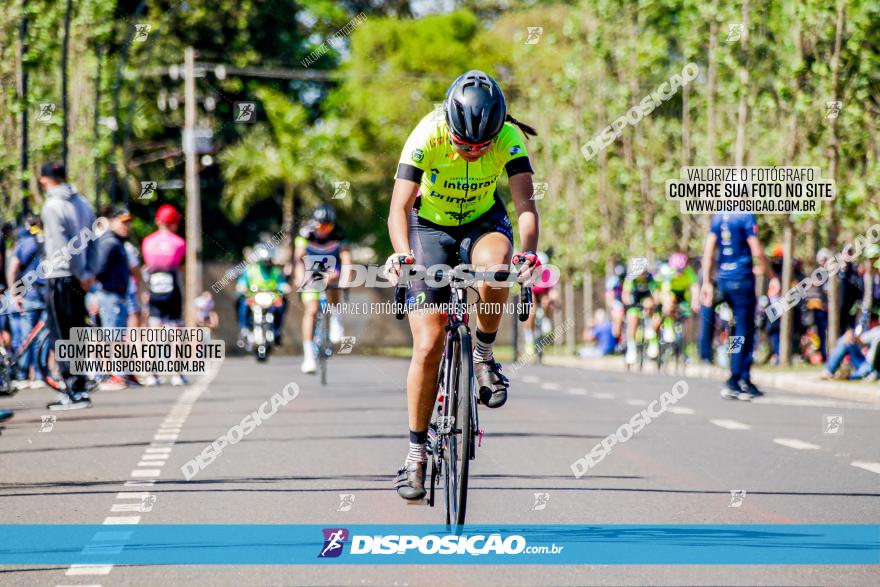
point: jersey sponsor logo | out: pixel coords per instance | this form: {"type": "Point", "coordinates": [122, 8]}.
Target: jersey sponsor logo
{"type": "Point", "coordinates": [434, 172]}
{"type": "Point", "coordinates": [515, 150]}
{"type": "Point", "coordinates": [418, 155]}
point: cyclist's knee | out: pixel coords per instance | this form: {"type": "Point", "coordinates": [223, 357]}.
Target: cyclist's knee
{"type": "Point", "coordinates": [427, 350]}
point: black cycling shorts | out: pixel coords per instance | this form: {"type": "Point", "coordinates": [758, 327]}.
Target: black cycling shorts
{"type": "Point", "coordinates": [434, 244]}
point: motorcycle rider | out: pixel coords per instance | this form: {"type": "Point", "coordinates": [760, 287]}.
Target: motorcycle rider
{"type": "Point", "coordinates": [261, 275]}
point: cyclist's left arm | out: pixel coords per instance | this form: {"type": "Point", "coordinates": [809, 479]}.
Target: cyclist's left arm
{"type": "Point", "coordinates": [345, 262]}
{"type": "Point", "coordinates": [519, 173]}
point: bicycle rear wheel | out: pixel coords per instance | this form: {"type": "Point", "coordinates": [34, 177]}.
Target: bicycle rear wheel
{"type": "Point", "coordinates": [460, 443]}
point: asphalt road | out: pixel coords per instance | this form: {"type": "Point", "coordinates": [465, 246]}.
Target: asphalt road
{"type": "Point", "coordinates": [350, 437]}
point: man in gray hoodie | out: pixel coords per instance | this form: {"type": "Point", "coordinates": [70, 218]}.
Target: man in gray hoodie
{"type": "Point", "coordinates": [68, 225]}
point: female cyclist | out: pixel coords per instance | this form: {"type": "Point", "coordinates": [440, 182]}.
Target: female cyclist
{"type": "Point", "coordinates": [445, 210]}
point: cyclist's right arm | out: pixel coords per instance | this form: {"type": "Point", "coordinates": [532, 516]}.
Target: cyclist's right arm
{"type": "Point", "coordinates": [403, 197]}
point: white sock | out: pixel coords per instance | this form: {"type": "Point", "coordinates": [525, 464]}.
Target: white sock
{"type": "Point", "coordinates": [308, 350]}
{"type": "Point", "coordinates": [417, 453]}
{"type": "Point", "coordinates": [482, 352]}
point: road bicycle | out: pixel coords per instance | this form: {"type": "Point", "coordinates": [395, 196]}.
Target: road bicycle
{"type": "Point", "coordinates": [321, 334]}
{"type": "Point", "coordinates": [40, 339]}
{"type": "Point", "coordinates": [454, 433]}
{"type": "Point", "coordinates": [672, 340]}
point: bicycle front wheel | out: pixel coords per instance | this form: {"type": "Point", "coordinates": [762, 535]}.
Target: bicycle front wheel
{"type": "Point", "coordinates": [460, 445]}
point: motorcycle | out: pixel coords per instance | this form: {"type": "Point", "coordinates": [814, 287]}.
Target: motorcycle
{"type": "Point", "coordinates": [262, 336]}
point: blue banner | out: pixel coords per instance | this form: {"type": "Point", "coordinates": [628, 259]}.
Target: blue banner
{"type": "Point", "coordinates": [408, 544]}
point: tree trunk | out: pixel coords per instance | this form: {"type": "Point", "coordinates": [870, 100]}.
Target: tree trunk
{"type": "Point", "coordinates": [287, 208]}
{"type": "Point", "coordinates": [743, 110]}
{"type": "Point", "coordinates": [569, 316]}
{"type": "Point", "coordinates": [687, 219]}
{"type": "Point", "coordinates": [587, 296]}
{"type": "Point", "coordinates": [834, 148]}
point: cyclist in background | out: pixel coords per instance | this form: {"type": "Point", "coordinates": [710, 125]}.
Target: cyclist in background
{"type": "Point", "coordinates": [445, 209]}
{"type": "Point", "coordinates": [735, 236]}
{"type": "Point", "coordinates": [680, 289]}
{"type": "Point", "coordinates": [164, 253]}
{"type": "Point", "coordinates": [639, 289]}
{"type": "Point", "coordinates": [614, 299]}
{"type": "Point", "coordinates": [546, 295]}
{"type": "Point", "coordinates": [262, 275]}
{"type": "Point", "coordinates": [320, 238]}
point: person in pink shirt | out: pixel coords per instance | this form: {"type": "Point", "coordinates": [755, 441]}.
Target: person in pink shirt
{"type": "Point", "coordinates": [163, 253]}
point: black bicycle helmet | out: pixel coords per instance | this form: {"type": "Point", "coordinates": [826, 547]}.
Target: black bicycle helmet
{"type": "Point", "coordinates": [475, 107]}
{"type": "Point", "coordinates": [324, 214]}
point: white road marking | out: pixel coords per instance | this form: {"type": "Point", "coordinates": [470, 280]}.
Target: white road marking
{"type": "Point", "coordinates": [576, 391]}
{"type": "Point", "coordinates": [679, 410]}
{"type": "Point", "coordinates": [731, 424]}
{"type": "Point", "coordinates": [813, 403]}
{"type": "Point", "coordinates": [89, 570]}
{"type": "Point", "coordinates": [159, 451]}
{"type": "Point", "coordinates": [126, 507]}
{"type": "Point", "coordinates": [551, 386]}
{"type": "Point", "coordinates": [796, 444]}
{"type": "Point", "coordinates": [636, 402]}
{"type": "Point", "coordinates": [603, 395]}
{"type": "Point", "coordinates": [133, 495]}
{"type": "Point", "coordinates": [867, 465]}
{"type": "Point", "coordinates": [145, 473]}
{"type": "Point", "coordinates": [122, 520]}
{"type": "Point", "coordinates": [530, 379]}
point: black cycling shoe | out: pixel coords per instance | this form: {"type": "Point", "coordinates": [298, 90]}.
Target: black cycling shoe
{"type": "Point", "coordinates": [748, 390]}
{"type": "Point", "coordinates": [410, 481]}
{"type": "Point", "coordinates": [491, 383]}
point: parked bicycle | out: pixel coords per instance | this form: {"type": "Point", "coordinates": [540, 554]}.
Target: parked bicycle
{"type": "Point", "coordinates": [40, 339]}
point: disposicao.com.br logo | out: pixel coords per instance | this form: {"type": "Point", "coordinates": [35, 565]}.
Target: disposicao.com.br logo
{"type": "Point", "coordinates": [476, 545]}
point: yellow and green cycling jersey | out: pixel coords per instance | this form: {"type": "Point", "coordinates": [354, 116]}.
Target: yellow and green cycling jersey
{"type": "Point", "coordinates": [680, 283]}
{"type": "Point", "coordinates": [453, 191]}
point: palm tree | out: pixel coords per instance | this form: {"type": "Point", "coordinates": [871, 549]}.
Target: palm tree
{"type": "Point", "coordinates": [287, 154]}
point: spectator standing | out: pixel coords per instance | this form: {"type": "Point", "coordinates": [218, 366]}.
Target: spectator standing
{"type": "Point", "coordinates": [112, 270]}
{"type": "Point", "coordinates": [28, 305]}
{"type": "Point", "coordinates": [735, 236]}
{"type": "Point", "coordinates": [66, 215]}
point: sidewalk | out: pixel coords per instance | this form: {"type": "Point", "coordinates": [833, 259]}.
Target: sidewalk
{"type": "Point", "coordinates": [790, 380]}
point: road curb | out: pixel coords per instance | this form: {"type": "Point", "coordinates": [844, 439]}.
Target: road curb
{"type": "Point", "coordinates": [806, 383]}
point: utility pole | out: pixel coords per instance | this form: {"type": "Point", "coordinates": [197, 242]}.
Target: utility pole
{"type": "Point", "coordinates": [193, 280]}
